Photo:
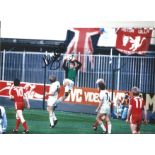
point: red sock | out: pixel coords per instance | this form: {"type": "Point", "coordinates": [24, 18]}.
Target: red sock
{"type": "Point", "coordinates": [17, 124]}
{"type": "Point", "coordinates": [96, 124]}
{"type": "Point", "coordinates": [106, 126]}
{"type": "Point", "coordinates": [25, 126]}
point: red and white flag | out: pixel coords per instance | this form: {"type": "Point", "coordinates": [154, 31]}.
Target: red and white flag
{"type": "Point", "coordinates": [133, 40]}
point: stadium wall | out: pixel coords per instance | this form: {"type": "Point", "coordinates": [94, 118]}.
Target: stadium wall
{"type": "Point", "coordinates": [80, 99]}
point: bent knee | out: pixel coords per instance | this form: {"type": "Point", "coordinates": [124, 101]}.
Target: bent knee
{"type": "Point", "coordinates": [67, 93]}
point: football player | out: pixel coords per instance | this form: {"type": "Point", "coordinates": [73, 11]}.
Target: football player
{"type": "Point", "coordinates": [52, 98]}
{"type": "Point", "coordinates": [18, 94]}
{"type": "Point", "coordinates": [135, 111]}
{"type": "Point", "coordinates": [104, 108]}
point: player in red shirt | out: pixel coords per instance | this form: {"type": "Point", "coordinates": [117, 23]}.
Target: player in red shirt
{"type": "Point", "coordinates": [18, 95]}
{"type": "Point", "coordinates": [135, 111]}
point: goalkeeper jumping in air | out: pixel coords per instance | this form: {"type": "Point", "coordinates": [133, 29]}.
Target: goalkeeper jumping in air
{"type": "Point", "coordinates": [71, 67]}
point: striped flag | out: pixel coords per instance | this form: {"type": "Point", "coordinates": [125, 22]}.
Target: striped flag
{"type": "Point", "coordinates": [82, 41]}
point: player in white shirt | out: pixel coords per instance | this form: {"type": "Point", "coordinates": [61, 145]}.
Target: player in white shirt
{"type": "Point", "coordinates": [3, 120]}
{"type": "Point", "coordinates": [104, 108]}
{"type": "Point", "coordinates": [52, 98]}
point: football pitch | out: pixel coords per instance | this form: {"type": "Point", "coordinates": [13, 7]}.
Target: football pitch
{"type": "Point", "coordinates": [68, 123]}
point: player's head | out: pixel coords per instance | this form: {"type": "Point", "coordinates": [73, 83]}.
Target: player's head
{"type": "Point", "coordinates": [135, 91]}
{"type": "Point", "coordinates": [101, 84]}
{"type": "Point", "coordinates": [16, 82]}
{"type": "Point", "coordinates": [126, 95]}
{"type": "Point", "coordinates": [52, 78]}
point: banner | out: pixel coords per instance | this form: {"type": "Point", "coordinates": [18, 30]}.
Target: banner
{"type": "Point", "coordinates": [35, 91]}
{"type": "Point", "coordinates": [133, 40]}
{"type": "Point", "coordinates": [85, 96]}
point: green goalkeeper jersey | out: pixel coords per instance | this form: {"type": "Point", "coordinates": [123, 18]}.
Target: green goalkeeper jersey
{"type": "Point", "coordinates": [72, 74]}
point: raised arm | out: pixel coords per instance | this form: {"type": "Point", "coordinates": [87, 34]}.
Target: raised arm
{"type": "Point", "coordinates": [64, 66]}
{"type": "Point", "coordinates": [27, 101]}
{"type": "Point", "coordinates": [78, 64]}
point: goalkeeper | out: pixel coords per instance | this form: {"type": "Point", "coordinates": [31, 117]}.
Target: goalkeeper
{"type": "Point", "coordinates": [71, 67]}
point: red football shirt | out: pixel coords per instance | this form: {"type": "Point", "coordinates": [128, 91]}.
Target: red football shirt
{"type": "Point", "coordinates": [137, 106]}
{"type": "Point", "coordinates": [18, 93]}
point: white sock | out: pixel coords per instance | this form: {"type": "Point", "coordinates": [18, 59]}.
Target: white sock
{"type": "Point", "coordinates": [54, 117]}
{"type": "Point", "coordinates": [51, 119]}
{"type": "Point", "coordinates": [103, 127]}
{"type": "Point", "coordinates": [109, 127]}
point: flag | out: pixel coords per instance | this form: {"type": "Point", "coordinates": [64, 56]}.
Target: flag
{"type": "Point", "coordinates": [82, 41]}
{"type": "Point", "coordinates": [133, 40]}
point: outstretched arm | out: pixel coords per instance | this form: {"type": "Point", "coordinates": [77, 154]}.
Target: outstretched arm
{"type": "Point", "coordinates": [27, 101]}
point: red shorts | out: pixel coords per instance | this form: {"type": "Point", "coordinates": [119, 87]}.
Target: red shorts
{"type": "Point", "coordinates": [136, 119]}
{"type": "Point", "coordinates": [19, 105]}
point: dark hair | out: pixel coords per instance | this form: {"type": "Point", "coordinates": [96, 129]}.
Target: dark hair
{"type": "Point", "coordinates": [101, 85]}
{"type": "Point", "coordinates": [52, 78]}
{"type": "Point", "coordinates": [16, 82]}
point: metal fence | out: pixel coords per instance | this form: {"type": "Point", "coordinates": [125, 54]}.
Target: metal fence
{"type": "Point", "coordinates": [128, 70]}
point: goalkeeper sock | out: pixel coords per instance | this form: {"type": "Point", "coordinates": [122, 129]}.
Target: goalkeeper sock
{"type": "Point", "coordinates": [17, 124]}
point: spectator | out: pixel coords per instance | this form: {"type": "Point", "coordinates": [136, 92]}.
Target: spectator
{"type": "Point", "coordinates": [119, 108]}
{"type": "Point", "coordinates": [125, 105]}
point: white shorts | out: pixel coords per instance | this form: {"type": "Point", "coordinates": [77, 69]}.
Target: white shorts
{"type": "Point", "coordinates": [51, 101]}
{"type": "Point", "coordinates": [105, 110]}
{"type": "Point", "coordinates": [69, 86]}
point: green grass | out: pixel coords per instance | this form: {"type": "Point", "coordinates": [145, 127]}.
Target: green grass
{"type": "Point", "coordinates": [68, 123]}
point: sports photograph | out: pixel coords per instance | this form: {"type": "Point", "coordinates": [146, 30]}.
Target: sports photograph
{"type": "Point", "coordinates": [77, 77]}
{"type": "Point", "coordinates": [96, 81]}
